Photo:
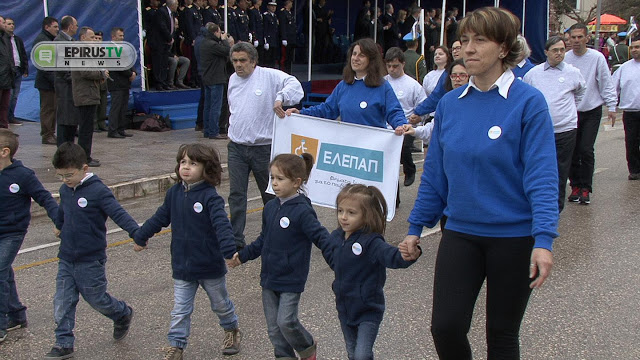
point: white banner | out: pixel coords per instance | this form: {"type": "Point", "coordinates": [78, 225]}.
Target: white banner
{"type": "Point", "coordinates": [343, 153]}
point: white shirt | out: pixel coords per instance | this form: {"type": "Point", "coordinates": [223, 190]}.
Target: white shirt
{"type": "Point", "coordinates": [503, 83]}
{"type": "Point", "coordinates": [408, 91]}
{"type": "Point", "coordinates": [563, 88]}
{"type": "Point", "coordinates": [627, 83]}
{"type": "Point", "coordinates": [251, 102]}
{"type": "Point", "coordinates": [595, 71]}
{"type": "Point", "coordinates": [16, 54]}
{"type": "Point", "coordinates": [431, 80]}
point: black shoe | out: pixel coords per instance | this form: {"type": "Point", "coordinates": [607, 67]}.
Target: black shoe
{"type": "Point", "coordinates": [93, 163]}
{"type": "Point", "coordinates": [59, 353]}
{"type": "Point", "coordinates": [634, 176]}
{"type": "Point", "coordinates": [115, 136]}
{"type": "Point", "coordinates": [13, 325]}
{"type": "Point", "coordinates": [15, 122]}
{"type": "Point", "coordinates": [125, 134]}
{"type": "Point", "coordinates": [49, 141]}
{"type": "Point", "coordinates": [121, 326]}
{"type": "Point", "coordinates": [3, 335]}
{"type": "Point", "coordinates": [97, 130]}
{"type": "Point", "coordinates": [409, 179]}
{"type": "Point", "coordinates": [198, 127]}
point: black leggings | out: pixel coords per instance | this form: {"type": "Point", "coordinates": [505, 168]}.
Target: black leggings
{"type": "Point", "coordinates": [463, 263]}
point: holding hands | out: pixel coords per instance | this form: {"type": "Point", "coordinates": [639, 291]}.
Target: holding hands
{"type": "Point", "coordinates": [408, 129]}
{"type": "Point", "coordinates": [137, 247]}
{"type": "Point", "coordinates": [234, 261]}
{"type": "Point", "coordinates": [409, 248]}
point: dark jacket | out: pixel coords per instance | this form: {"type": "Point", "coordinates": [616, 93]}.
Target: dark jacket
{"type": "Point", "coordinates": [242, 25]}
{"type": "Point", "coordinates": [201, 235]}
{"type": "Point", "coordinates": [271, 29]}
{"type": "Point", "coordinates": [285, 244]}
{"type": "Point", "coordinates": [214, 54]}
{"type": "Point", "coordinates": [360, 264]}
{"type": "Point", "coordinates": [86, 87]}
{"type": "Point", "coordinates": [82, 216]}
{"type": "Point", "coordinates": [120, 80]}
{"type": "Point", "coordinates": [6, 61]}
{"type": "Point", "coordinates": [66, 112]}
{"type": "Point", "coordinates": [211, 14]}
{"type": "Point", "coordinates": [160, 28]}
{"type": "Point", "coordinates": [24, 60]}
{"type": "Point", "coordinates": [44, 79]}
{"type": "Point", "coordinates": [256, 25]}
{"type": "Point", "coordinates": [288, 28]}
{"type": "Point", "coordinates": [18, 185]}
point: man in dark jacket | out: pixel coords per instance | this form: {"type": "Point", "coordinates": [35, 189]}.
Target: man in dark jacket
{"type": "Point", "coordinates": [211, 14]}
{"type": "Point", "coordinates": [214, 53]}
{"type": "Point", "coordinates": [160, 40]}
{"type": "Point", "coordinates": [44, 84]}
{"type": "Point", "coordinates": [256, 27]}
{"type": "Point", "coordinates": [119, 90]}
{"type": "Point", "coordinates": [20, 67]}
{"type": "Point", "coordinates": [66, 112]}
{"type": "Point", "coordinates": [288, 33]}
{"type": "Point", "coordinates": [271, 43]}
{"type": "Point", "coordinates": [6, 75]}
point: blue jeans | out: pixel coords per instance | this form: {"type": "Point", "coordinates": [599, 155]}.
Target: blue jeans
{"type": "Point", "coordinates": [90, 280]}
{"type": "Point", "coordinates": [360, 339]}
{"type": "Point", "coordinates": [10, 306]}
{"type": "Point", "coordinates": [184, 293]}
{"type": "Point", "coordinates": [285, 330]}
{"type": "Point", "coordinates": [242, 160]}
{"type": "Point", "coordinates": [17, 82]}
{"type": "Point", "coordinates": [212, 106]}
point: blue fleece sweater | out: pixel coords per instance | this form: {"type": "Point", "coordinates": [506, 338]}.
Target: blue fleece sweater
{"type": "Point", "coordinates": [201, 235]}
{"type": "Point", "coordinates": [285, 244]}
{"type": "Point", "coordinates": [82, 215]}
{"type": "Point", "coordinates": [491, 166]}
{"type": "Point", "coordinates": [18, 185]}
{"type": "Point", "coordinates": [359, 104]}
{"type": "Point", "coordinates": [520, 72]}
{"type": "Point", "coordinates": [360, 265]}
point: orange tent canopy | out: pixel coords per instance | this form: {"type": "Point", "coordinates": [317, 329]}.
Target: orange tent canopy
{"type": "Point", "coordinates": [608, 19]}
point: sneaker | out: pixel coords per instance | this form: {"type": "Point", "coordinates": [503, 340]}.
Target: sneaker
{"type": "Point", "coordinates": [3, 335]}
{"type": "Point", "coordinates": [174, 353]}
{"type": "Point", "coordinates": [58, 352]}
{"type": "Point", "coordinates": [312, 357]}
{"type": "Point", "coordinates": [231, 343]}
{"type": "Point", "coordinates": [575, 194]}
{"type": "Point", "coordinates": [13, 325]}
{"type": "Point", "coordinates": [584, 197]}
{"type": "Point", "coordinates": [121, 326]}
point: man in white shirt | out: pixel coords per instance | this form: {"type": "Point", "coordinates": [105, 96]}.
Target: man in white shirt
{"type": "Point", "coordinates": [255, 93]}
{"type": "Point", "coordinates": [563, 87]}
{"type": "Point", "coordinates": [593, 67]}
{"type": "Point", "coordinates": [409, 93]}
{"type": "Point", "coordinates": [627, 83]}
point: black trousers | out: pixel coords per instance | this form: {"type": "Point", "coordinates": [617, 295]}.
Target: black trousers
{"type": "Point", "coordinates": [118, 112]}
{"type": "Point", "coordinates": [223, 123]}
{"type": "Point", "coordinates": [408, 167]}
{"type": "Point", "coordinates": [160, 64]}
{"type": "Point", "coordinates": [200, 116]}
{"type": "Point", "coordinates": [565, 143]}
{"type": "Point", "coordinates": [66, 133]}
{"type": "Point", "coordinates": [631, 121]}
{"type": "Point", "coordinates": [462, 265]}
{"type": "Point", "coordinates": [85, 127]}
{"type": "Point", "coordinates": [583, 162]}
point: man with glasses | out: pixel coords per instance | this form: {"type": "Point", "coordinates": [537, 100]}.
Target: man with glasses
{"type": "Point", "coordinates": [563, 87]}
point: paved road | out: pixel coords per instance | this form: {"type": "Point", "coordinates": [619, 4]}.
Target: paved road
{"type": "Point", "coordinates": [588, 309]}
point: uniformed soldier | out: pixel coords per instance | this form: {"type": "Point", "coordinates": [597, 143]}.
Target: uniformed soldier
{"type": "Point", "coordinates": [242, 21]}
{"type": "Point", "coordinates": [256, 27]}
{"type": "Point", "coordinates": [211, 14]}
{"type": "Point", "coordinates": [288, 33]}
{"type": "Point", "coordinates": [232, 18]}
{"type": "Point", "coordinates": [271, 42]}
{"type": "Point", "coordinates": [147, 15]}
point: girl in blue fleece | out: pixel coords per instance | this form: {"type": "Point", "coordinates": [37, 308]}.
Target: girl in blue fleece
{"type": "Point", "coordinates": [289, 226]}
{"type": "Point", "coordinates": [359, 256]}
{"type": "Point", "coordinates": [201, 239]}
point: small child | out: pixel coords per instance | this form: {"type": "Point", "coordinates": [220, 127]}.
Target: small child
{"type": "Point", "coordinates": [201, 239]}
{"type": "Point", "coordinates": [359, 256]}
{"type": "Point", "coordinates": [85, 204]}
{"type": "Point", "coordinates": [289, 226]}
{"type": "Point", "coordinates": [18, 185]}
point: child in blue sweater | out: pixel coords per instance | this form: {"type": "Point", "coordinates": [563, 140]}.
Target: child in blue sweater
{"type": "Point", "coordinates": [359, 256]}
{"type": "Point", "coordinates": [201, 239]}
{"type": "Point", "coordinates": [18, 185]}
{"type": "Point", "coordinates": [289, 226]}
{"type": "Point", "coordinates": [85, 204]}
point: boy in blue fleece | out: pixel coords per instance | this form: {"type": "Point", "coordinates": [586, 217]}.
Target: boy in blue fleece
{"type": "Point", "coordinates": [201, 239]}
{"type": "Point", "coordinates": [18, 185]}
{"type": "Point", "coordinates": [85, 204]}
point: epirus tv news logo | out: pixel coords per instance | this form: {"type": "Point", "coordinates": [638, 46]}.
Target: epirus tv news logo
{"type": "Point", "coordinates": [80, 55]}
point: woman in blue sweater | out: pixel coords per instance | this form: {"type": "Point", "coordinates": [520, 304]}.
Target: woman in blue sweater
{"type": "Point", "coordinates": [491, 169]}
{"type": "Point", "coordinates": [363, 96]}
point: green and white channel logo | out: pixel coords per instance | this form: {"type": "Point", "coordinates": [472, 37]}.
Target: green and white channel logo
{"type": "Point", "coordinates": [80, 55]}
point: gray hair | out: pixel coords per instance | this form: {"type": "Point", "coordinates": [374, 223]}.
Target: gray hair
{"type": "Point", "coordinates": [525, 50]}
{"type": "Point", "coordinates": [247, 48]}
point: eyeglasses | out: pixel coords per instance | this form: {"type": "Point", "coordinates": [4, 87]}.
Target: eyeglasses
{"type": "Point", "coordinates": [462, 76]}
{"type": "Point", "coordinates": [558, 50]}
{"type": "Point", "coordinates": [456, 48]}
{"type": "Point", "coordinates": [66, 176]}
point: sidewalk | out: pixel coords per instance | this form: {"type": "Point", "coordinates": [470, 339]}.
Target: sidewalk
{"type": "Point", "coordinates": [131, 167]}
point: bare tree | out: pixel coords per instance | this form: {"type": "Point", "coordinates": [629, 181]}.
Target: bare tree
{"type": "Point", "coordinates": [622, 8]}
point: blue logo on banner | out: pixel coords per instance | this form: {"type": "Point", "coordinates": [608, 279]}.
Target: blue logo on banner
{"type": "Point", "coordinates": [347, 160]}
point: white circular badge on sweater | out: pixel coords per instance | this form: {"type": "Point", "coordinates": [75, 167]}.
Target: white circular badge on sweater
{"type": "Point", "coordinates": [258, 92]}
{"type": "Point", "coordinates": [400, 93]}
{"type": "Point", "coordinates": [494, 132]}
{"type": "Point", "coordinates": [561, 79]}
{"type": "Point", "coordinates": [356, 248]}
{"type": "Point", "coordinates": [82, 202]}
{"type": "Point", "coordinates": [197, 207]}
{"type": "Point", "coordinates": [14, 188]}
{"type": "Point", "coordinates": [284, 222]}
{"type": "Point", "coordinates": [363, 105]}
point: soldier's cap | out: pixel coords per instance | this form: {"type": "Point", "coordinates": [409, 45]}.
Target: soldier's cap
{"type": "Point", "coordinates": [272, 3]}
